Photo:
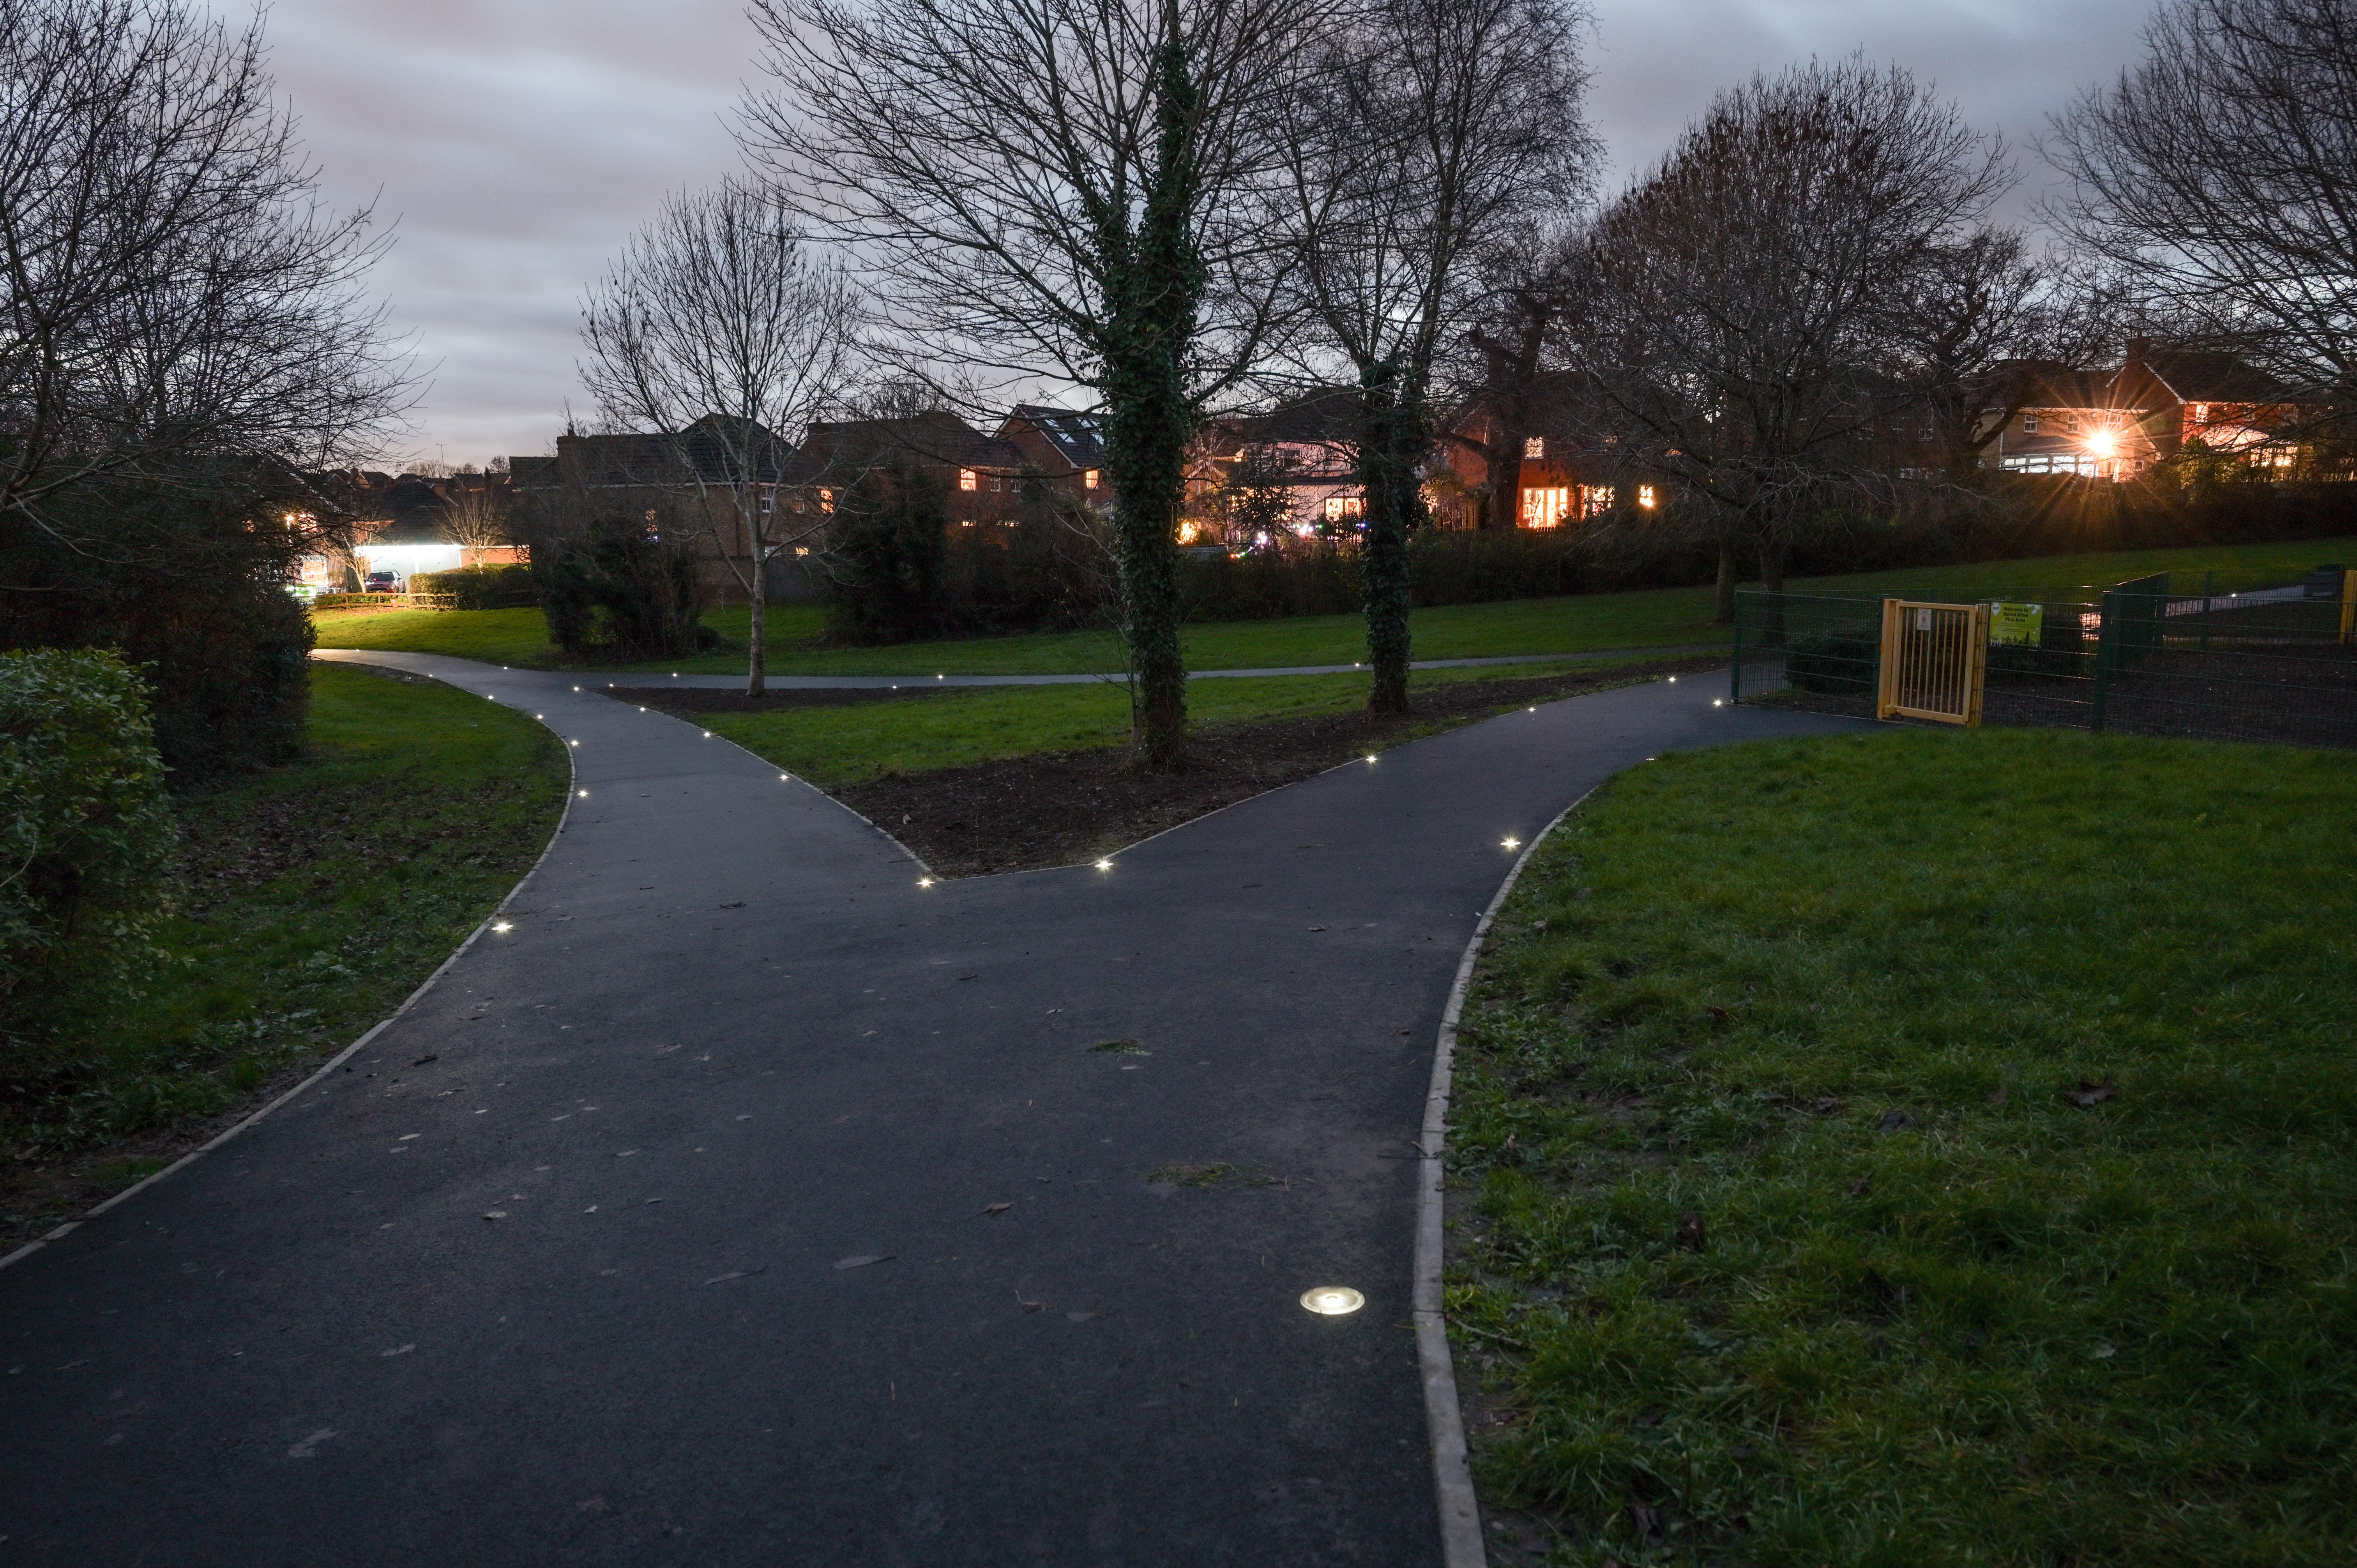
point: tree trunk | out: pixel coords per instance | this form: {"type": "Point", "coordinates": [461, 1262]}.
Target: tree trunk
{"type": "Point", "coordinates": [1722, 604]}
{"type": "Point", "coordinates": [1154, 282]}
{"type": "Point", "coordinates": [1389, 439]}
{"type": "Point", "coordinates": [757, 626]}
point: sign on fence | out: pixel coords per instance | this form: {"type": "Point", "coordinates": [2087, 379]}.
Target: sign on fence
{"type": "Point", "coordinates": [2017, 623]}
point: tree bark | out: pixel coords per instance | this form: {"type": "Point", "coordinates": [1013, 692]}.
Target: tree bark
{"type": "Point", "coordinates": [1722, 604]}
{"type": "Point", "coordinates": [1154, 285]}
{"type": "Point", "coordinates": [1390, 434]}
{"type": "Point", "coordinates": [756, 627]}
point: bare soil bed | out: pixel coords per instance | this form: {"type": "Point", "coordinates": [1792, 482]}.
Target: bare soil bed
{"type": "Point", "coordinates": [1023, 814]}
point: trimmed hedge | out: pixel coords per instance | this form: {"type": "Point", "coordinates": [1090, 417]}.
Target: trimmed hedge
{"type": "Point", "coordinates": [479, 588]}
{"type": "Point", "coordinates": [86, 834]}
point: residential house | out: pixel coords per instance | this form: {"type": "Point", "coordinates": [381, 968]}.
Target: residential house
{"type": "Point", "coordinates": [983, 478]}
{"type": "Point", "coordinates": [2113, 424]}
{"type": "Point", "coordinates": [700, 482]}
{"type": "Point", "coordinates": [1064, 446]}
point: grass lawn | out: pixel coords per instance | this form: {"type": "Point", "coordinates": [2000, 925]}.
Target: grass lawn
{"type": "Point", "coordinates": [836, 747]}
{"type": "Point", "coordinates": [1919, 1149]}
{"type": "Point", "coordinates": [1656, 618]}
{"type": "Point", "coordinates": [312, 897]}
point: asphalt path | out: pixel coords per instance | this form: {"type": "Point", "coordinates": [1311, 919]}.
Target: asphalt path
{"type": "Point", "coordinates": [748, 1202]}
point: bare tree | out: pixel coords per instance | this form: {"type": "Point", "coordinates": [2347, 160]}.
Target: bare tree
{"type": "Point", "coordinates": [2220, 173]}
{"type": "Point", "coordinates": [1423, 130]}
{"type": "Point", "coordinates": [1735, 319]}
{"type": "Point", "coordinates": [476, 517]}
{"type": "Point", "coordinates": [1074, 191]}
{"type": "Point", "coordinates": [176, 302]}
{"type": "Point", "coordinates": [721, 328]}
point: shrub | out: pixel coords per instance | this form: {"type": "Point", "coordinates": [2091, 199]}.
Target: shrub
{"type": "Point", "coordinates": [888, 559]}
{"type": "Point", "coordinates": [86, 836]}
{"type": "Point", "coordinates": [480, 588]}
{"type": "Point", "coordinates": [621, 588]}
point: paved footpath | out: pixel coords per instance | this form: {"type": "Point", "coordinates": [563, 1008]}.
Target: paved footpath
{"type": "Point", "coordinates": [749, 1203]}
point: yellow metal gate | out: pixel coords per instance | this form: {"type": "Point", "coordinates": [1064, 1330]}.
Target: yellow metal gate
{"type": "Point", "coordinates": [1935, 661]}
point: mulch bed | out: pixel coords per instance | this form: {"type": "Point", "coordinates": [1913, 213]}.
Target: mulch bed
{"type": "Point", "coordinates": [1059, 808]}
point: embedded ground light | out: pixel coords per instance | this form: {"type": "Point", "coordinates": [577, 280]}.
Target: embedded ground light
{"type": "Point", "coordinates": [1332, 1300]}
{"type": "Point", "coordinates": [502, 928]}
{"type": "Point", "coordinates": [924, 882]}
{"type": "Point", "coordinates": [1104, 865]}
{"type": "Point", "coordinates": [584, 794]}
{"type": "Point", "coordinates": [1512, 844]}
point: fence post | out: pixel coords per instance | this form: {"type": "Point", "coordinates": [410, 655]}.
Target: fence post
{"type": "Point", "coordinates": [2348, 605]}
{"type": "Point", "coordinates": [2205, 612]}
{"type": "Point", "coordinates": [2107, 654]}
{"type": "Point", "coordinates": [1735, 671]}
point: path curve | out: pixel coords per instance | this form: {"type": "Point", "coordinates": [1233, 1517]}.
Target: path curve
{"type": "Point", "coordinates": [760, 1206]}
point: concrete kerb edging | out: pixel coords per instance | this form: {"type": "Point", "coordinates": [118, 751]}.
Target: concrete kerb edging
{"type": "Point", "coordinates": [572, 786]}
{"type": "Point", "coordinates": [1452, 1475]}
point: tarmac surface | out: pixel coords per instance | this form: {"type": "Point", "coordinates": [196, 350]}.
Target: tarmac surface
{"type": "Point", "coordinates": [747, 1202]}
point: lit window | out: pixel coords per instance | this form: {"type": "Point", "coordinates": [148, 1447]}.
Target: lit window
{"type": "Point", "coordinates": [1546, 506]}
{"type": "Point", "coordinates": [1338, 508]}
{"type": "Point", "coordinates": [1535, 446]}
{"type": "Point", "coordinates": [1089, 480]}
{"type": "Point", "coordinates": [1645, 496]}
{"type": "Point", "coordinates": [2029, 424]}
{"type": "Point", "coordinates": [826, 500]}
{"type": "Point", "coordinates": [1594, 500]}
{"type": "Point", "coordinates": [2201, 413]}
{"type": "Point", "coordinates": [965, 478]}
{"type": "Point", "coordinates": [769, 501]}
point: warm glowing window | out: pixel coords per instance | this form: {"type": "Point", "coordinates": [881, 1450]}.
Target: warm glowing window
{"type": "Point", "coordinates": [1339, 508]}
{"type": "Point", "coordinates": [1546, 506]}
{"type": "Point", "coordinates": [1089, 480]}
{"type": "Point", "coordinates": [826, 500]}
{"type": "Point", "coordinates": [1187, 533]}
{"type": "Point", "coordinates": [1535, 446]}
{"type": "Point", "coordinates": [1645, 495]}
{"type": "Point", "coordinates": [965, 478]}
{"type": "Point", "coordinates": [1594, 500]}
{"type": "Point", "coordinates": [2201, 413]}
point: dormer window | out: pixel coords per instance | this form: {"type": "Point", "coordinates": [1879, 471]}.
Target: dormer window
{"type": "Point", "coordinates": [2029, 424]}
{"type": "Point", "coordinates": [1089, 480]}
{"type": "Point", "coordinates": [1535, 446]}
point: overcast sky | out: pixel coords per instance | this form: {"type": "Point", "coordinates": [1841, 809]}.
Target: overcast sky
{"type": "Point", "coordinates": [516, 142]}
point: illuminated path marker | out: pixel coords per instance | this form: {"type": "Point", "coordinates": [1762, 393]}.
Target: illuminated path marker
{"type": "Point", "coordinates": [756, 1204]}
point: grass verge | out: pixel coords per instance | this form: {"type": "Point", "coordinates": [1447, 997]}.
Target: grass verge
{"type": "Point", "coordinates": [310, 900]}
{"type": "Point", "coordinates": [1920, 1149]}
{"type": "Point", "coordinates": [1656, 618]}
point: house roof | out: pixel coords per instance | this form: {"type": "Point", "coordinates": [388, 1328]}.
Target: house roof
{"type": "Point", "coordinates": [713, 449]}
{"type": "Point", "coordinates": [938, 436]}
{"type": "Point", "coordinates": [1076, 436]}
{"type": "Point", "coordinates": [2196, 376]}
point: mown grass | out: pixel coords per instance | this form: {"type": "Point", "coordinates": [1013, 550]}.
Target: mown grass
{"type": "Point", "coordinates": [1921, 1149]}
{"type": "Point", "coordinates": [1654, 619]}
{"type": "Point", "coordinates": [311, 899]}
{"type": "Point", "coordinates": [835, 746]}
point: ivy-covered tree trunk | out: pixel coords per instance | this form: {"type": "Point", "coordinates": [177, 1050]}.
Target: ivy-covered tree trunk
{"type": "Point", "coordinates": [1390, 438]}
{"type": "Point", "coordinates": [1154, 285]}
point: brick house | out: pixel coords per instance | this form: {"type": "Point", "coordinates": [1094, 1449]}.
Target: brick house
{"type": "Point", "coordinates": [2114, 424]}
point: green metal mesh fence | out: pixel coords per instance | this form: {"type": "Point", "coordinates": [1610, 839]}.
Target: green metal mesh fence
{"type": "Point", "coordinates": [2273, 665]}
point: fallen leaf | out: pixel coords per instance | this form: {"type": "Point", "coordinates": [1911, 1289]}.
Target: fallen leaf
{"type": "Point", "coordinates": [496, 1214]}
{"type": "Point", "coordinates": [1828, 1105]}
{"type": "Point", "coordinates": [996, 1208]}
{"type": "Point", "coordinates": [423, 1060]}
{"type": "Point", "coordinates": [1033, 1305]}
{"type": "Point", "coordinates": [1718, 1014]}
{"type": "Point", "coordinates": [864, 1259]}
{"type": "Point", "coordinates": [967, 977]}
{"type": "Point", "coordinates": [738, 905]}
{"type": "Point", "coordinates": [1317, 928]}
{"type": "Point", "coordinates": [2106, 1352]}
{"type": "Point", "coordinates": [1080, 1316]}
{"type": "Point", "coordinates": [1690, 1233]}
{"type": "Point", "coordinates": [2092, 1093]}
{"type": "Point", "coordinates": [735, 1274]}
{"type": "Point", "coordinates": [1894, 1121]}
{"type": "Point", "coordinates": [396, 1350]}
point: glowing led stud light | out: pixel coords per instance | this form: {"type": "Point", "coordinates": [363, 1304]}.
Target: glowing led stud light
{"type": "Point", "coordinates": [1104, 865]}
{"type": "Point", "coordinates": [707, 735]}
{"type": "Point", "coordinates": [584, 794]}
{"type": "Point", "coordinates": [1332, 1300]}
{"type": "Point", "coordinates": [502, 928]}
{"type": "Point", "coordinates": [576, 688]}
{"type": "Point", "coordinates": [783, 776]}
{"type": "Point", "coordinates": [1673, 680]}
{"type": "Point", "coordinates": [1718, 702]}
{"type": "Point", "coordinates": [572, 743]}
{"type": "Point", "coordinates": [1371, 756]}
{"type": "Point", "coordinates": [1512, 844]}
{"type": "Point", "coordinates": [924, 882]}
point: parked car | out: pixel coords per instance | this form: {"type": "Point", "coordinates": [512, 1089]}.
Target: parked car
{"type": "Point", "coordinates": [380, 583]}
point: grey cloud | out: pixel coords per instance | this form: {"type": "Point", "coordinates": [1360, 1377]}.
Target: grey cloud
{"type": "Point", "coordinates": [518, 142]}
